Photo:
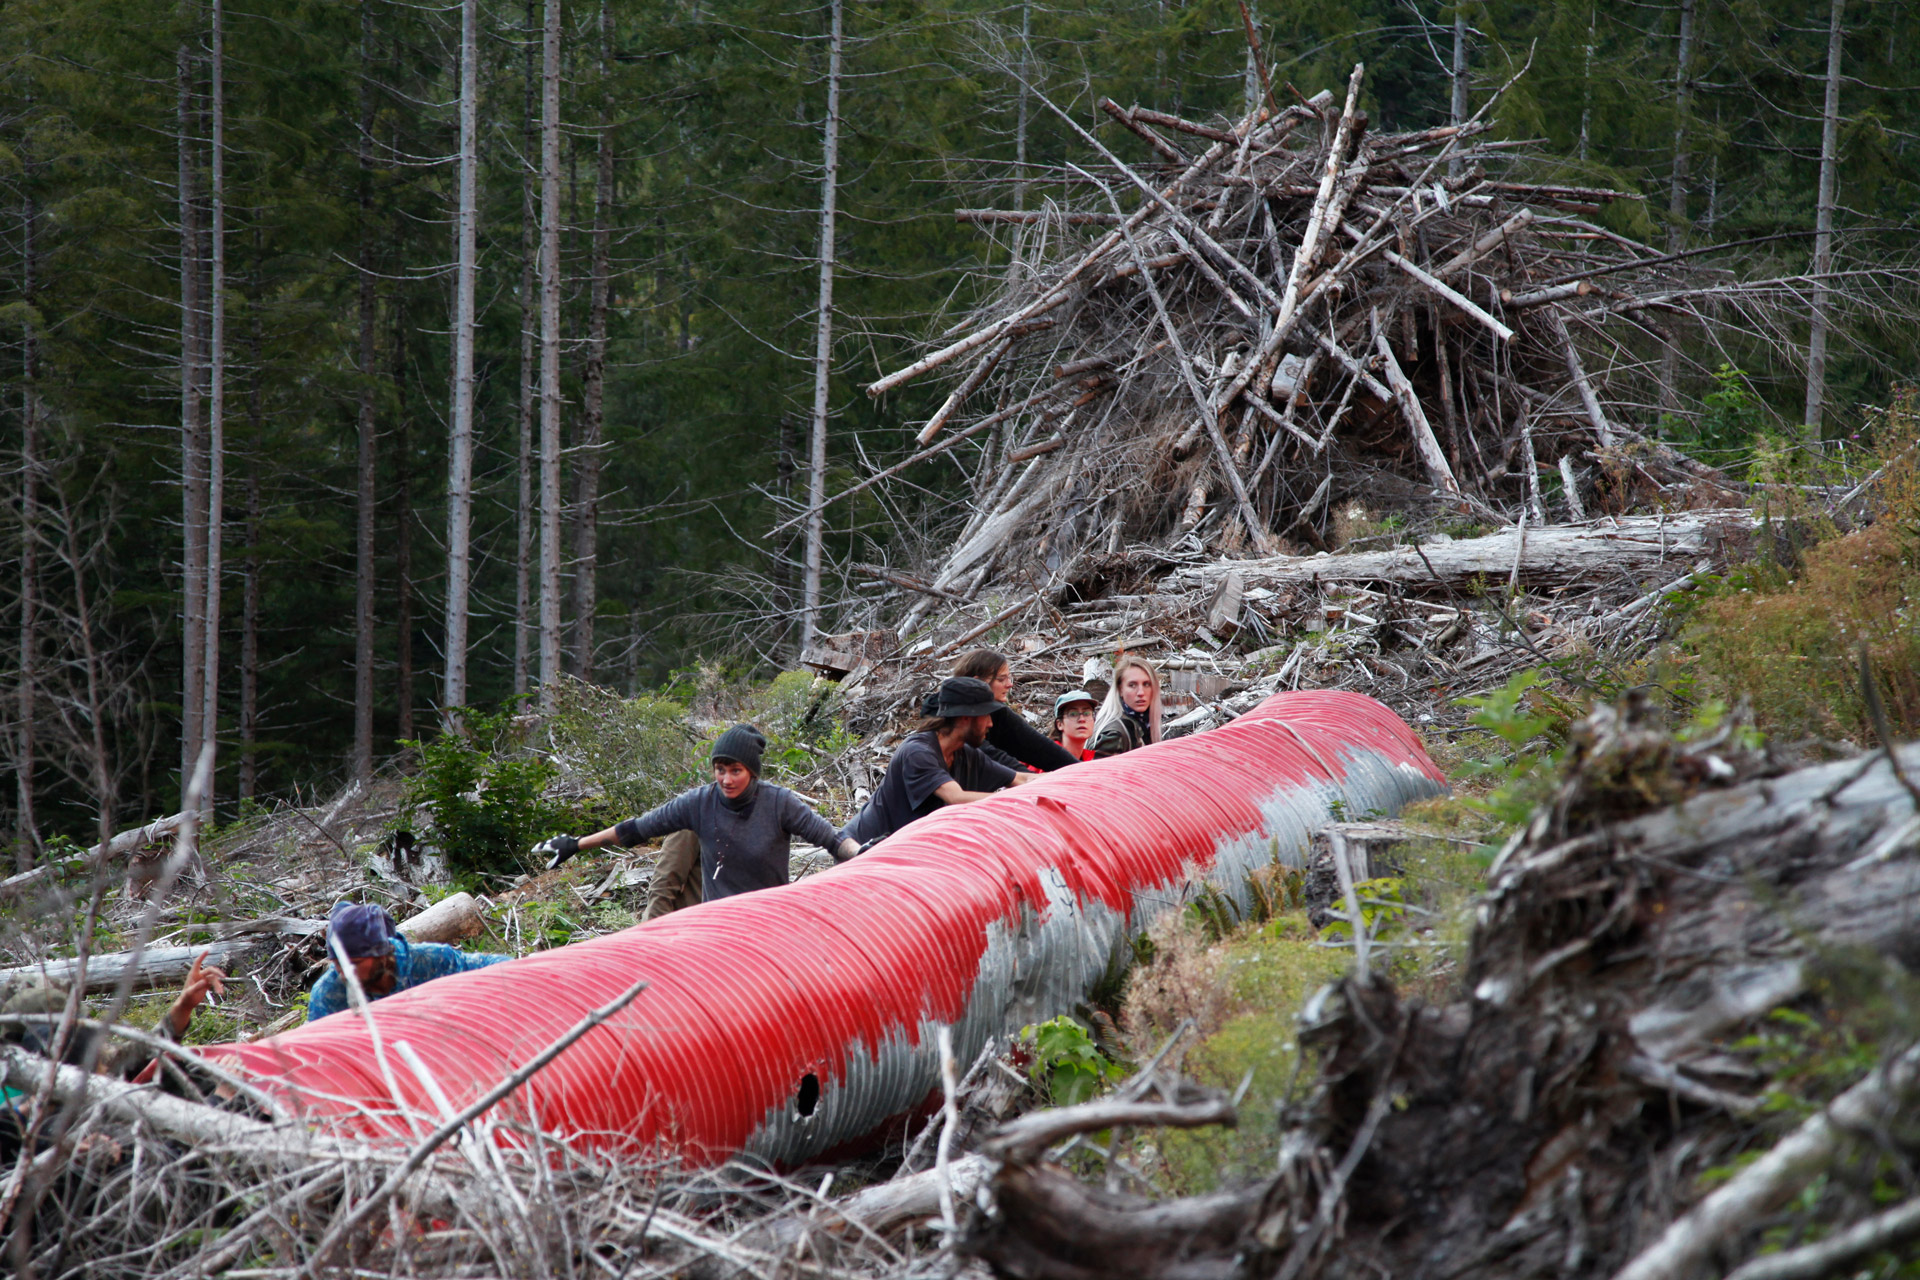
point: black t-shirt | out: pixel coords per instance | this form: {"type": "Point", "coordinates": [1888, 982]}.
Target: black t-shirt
{"type": "Point", "coordinates": [916, 771]}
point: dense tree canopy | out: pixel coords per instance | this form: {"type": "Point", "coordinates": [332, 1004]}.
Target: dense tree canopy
{"type": "Point", "coordinates": [340, 128]}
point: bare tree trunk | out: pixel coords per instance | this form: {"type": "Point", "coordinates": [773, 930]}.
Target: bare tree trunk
{"type": "Point", "coordinates": [550, 355]}
{"type": "Point", "coordinates": [366, 463]}
{"type": "Point", "coordinates": [1682, 96]}
{"type": "Point", "coordinates": [193, 461]}
{"type": "Point", "coordinates": [248, 784]}
{"type": "Point", "coordinates": [786, 468]}
{"type": "Point", "coordinates": [26, 748]}
{"type": "Point", "coordinates": [823, 339]}
{"type": "Point", "coordinates": [1677, 191]}
{"type": "Point", "coordinates": [1459, 75]}
{"type": "Point", "coordinates": [1586, 82]}
{"type": "Point", "coordinates": [250, 631]}
{"type": "Point", "coordinates": [90, 660]}
{"type": "Point", "coordinates": [1020, 112]}
{"type": "Point", "coordinates": [216, 411]}
{"type": "Point", "coordinates": [586, 480]}
{"type": "Point", "coordinates": [529, 382]}
{"type": "Point", "coordinates": [460, 465]}
{"type": "Point", "coordinates": [1823, 224]}
{"type": "Point", "coordinates": [402, 536]}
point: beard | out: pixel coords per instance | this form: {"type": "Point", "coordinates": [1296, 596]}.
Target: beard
{"type": "Point", "coordinates": [380, 982]}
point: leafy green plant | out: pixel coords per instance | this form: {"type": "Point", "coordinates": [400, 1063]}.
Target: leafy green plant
{"type": "Point", "coordinates": [1383, 908]}
{"type": "Point", "coordinates": [799, 713]}
{"type": "Point", "coordinates": [1520, 714]}
{"type": "Point", "coordinates": [485, 799]}
{"type": "Point", "coordinates": [1066, 1062]}
{"type": "Point", "coordinates": [1808, 1059]}
{"type": "Point", "coordinates": [1731, 416]}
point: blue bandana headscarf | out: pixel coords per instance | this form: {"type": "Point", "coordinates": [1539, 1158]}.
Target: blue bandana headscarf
{"type": "Point", "coordinates": [361, 930]}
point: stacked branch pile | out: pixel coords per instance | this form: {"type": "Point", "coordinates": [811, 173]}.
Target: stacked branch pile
{"type": "Point", "coordinates": [1279, 313]}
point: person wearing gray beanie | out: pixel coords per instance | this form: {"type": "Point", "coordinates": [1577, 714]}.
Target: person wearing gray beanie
{"type": "Point", "coordinates": [742, 744]}
{"type": "Point", "coordinates": [744, 824]}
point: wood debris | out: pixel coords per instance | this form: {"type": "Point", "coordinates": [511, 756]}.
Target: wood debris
{"type": "Point", "coordinates": [1218, 350]}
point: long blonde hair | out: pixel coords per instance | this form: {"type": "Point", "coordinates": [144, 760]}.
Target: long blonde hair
{"type": "Point", "coordinates": [1113, 708]}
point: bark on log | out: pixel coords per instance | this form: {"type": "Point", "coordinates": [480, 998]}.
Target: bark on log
{"type": "Point", "coordinates": [1552, 556]}
{"type": "Point", "coordinates": [1486, 244]}
{"type": "Point", "coordinates": [171, 1117]}
{"type": "Point", "coordinates": [450, 920]}
{"type": "Point", "coordinates": [156, 967]}
{"type": "Point", "coordinates": [124, 843]}
{"type": "Point", "coordinates": [1422, 431]}
{"type": "Point", "coordinates": [874, 1211]}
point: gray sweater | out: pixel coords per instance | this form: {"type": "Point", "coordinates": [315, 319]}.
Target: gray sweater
{"type": "Point", "coordinates": [743, 843]}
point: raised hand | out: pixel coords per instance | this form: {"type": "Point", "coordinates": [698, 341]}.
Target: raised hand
{"type": "Point", "coordinates": [202, 980]}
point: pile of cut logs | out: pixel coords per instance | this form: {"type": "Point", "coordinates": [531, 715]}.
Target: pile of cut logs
{"type": "Point", "coordinates": [1279, 314]}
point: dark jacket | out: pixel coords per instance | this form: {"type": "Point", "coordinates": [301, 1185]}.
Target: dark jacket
{"type": "Point", "coordinates": [1123, 734]}
{"type": "Point", "coordinates": [1013, 735]}
{"type": "Point", "coordinates": [1013, 742]}
{"type": "Point", "coordinates": [916, 771]}
{"type": "Point", "coordinates": [743, 843]}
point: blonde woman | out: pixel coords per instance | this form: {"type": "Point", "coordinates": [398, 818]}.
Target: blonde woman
{"type": "Point", "coordinates": [1130, 717]}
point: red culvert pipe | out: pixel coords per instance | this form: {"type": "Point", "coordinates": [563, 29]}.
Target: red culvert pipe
{"type": "Point", "coordinates": [785, 1023]}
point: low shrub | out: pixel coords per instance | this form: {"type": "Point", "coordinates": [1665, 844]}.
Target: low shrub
{"type": "Point", "coordinates": [1067, 1065]}
{"type": "Point", "coordinates": [800, 714]}
{"type": "Point", "coordinates": [1792, 647]}
{"type": "Point", "coordinates": [486, 797]}
{"type": "Point", "coordinates": [1787, 636]}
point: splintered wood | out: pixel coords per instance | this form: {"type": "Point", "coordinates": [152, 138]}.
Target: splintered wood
{"type": "Point", "coordinates": [1266, 318]}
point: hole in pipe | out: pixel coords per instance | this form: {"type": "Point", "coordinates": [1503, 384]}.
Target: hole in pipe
{"type": "Point", "coordinates": [808, 1095]}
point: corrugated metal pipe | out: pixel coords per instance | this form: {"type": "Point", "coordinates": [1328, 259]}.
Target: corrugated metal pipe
{"type": "Point", "coordinates": [785, 1023]}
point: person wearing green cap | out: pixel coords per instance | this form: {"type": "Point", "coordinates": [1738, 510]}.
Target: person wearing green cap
{"type": "Point", "coordinates": [1073, 718]}
{"type": "Point", "coordinates": [744, 824]}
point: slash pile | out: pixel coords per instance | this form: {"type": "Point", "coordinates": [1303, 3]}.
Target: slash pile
{"type": "Point", "coordinates": [1287, 311]}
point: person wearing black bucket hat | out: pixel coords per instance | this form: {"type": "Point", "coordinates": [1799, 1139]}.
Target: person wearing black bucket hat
{"type": "Point", "coordinates": [939, 764]}
{"type": "Point", "coordinates": [744, 824]}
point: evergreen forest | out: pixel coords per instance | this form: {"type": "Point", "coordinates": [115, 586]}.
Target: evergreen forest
{"type": "Point", "coordinates": [362, 361]}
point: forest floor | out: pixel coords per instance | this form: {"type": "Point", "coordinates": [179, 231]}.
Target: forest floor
{"type": "Point", "coordinates": [1561, 678]}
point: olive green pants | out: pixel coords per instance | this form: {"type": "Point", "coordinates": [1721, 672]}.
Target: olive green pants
{"type": "Point", "coordinates": [676, 875]}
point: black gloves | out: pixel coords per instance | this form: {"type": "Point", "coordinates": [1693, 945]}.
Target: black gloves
{"type": "Point", "coordinates": [557, 849]}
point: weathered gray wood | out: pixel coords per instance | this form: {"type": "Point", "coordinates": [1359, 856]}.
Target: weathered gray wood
{"type": "Point", "coordinates": [156, 967]}
{"type": "Point", "coordinates": [1511, 1130]}
{"type": "Point", "coordinates": [1630, 546]}
{"type": "Point", "coordinates": [124, 843]}
{"type": "Point", "coordinates": [1026, 1138]}
{"type": "Point", "coordinates": [1485, 244]}
{"type": "Point", "coordinates": [1422, 431]}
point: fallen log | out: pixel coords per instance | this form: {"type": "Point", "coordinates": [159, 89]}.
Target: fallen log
{"type": "Point", "coordinates": [1551, 555]}
{"type": "Point", "coordinates": [452, 919]}
{"type": "Point", "coordinates": [120, 845]}
{"type": "Point", "coordinates": [152, 967]}
{"type": "Point", "coordinates": [1046, 1224]}
{"type": "Point", "coordinates": [163, 1114]}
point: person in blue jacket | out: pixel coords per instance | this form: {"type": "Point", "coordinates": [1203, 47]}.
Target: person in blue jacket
{"type": "Point", "coordinates": [382, 960]}
{"type": "Point", "coordinates": [744, 824]}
